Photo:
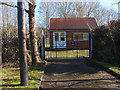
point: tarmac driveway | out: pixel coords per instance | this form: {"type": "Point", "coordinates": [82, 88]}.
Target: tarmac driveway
{"type": "Point", "coordinates": [76, 73]}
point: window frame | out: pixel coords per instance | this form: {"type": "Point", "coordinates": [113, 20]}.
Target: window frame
{"type": "Point", "coordinates": [62, 36]}
{"type": "Point", "coordinates": [57, 36]}
{"type": "Point", "coordinates": [83, 36]}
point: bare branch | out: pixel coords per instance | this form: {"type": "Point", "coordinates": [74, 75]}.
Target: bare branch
{"type": "Point", "coordinates": [13, 6]}
{"type": "Point", "coordinates": [89, 27]}
{"type": "Point", "coordinates": [29, 2]}
{"type": "Point", "coordinates": [27, 11]}
{"type": "Point", "coordinates": [8, 4]}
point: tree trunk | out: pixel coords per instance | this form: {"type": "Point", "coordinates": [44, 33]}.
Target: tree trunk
{"type": "Point", "coordinates": [22, 43]}
{"type": "Point", "coordinates": [33, 40]}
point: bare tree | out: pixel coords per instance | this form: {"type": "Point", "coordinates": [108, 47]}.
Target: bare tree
{"type": "Point", "coordinates": [101, 14]}
{"type": "Point", "coordinates": [79, 9]}
{"type": "Point", "coordinates": [86, 9]}
{"type": "Point", "coordinates": [1, 45]}
{"type": "Point", "coordinates": [33, 38]}
{"type": "Point", "coordinates": [47, 10]}
{"type": "Point", "coordinates": [3, 22]}
{"type": "Point", "coordinates": [8, 18]}
{"type": "Point", "coordinates": [66, 9]}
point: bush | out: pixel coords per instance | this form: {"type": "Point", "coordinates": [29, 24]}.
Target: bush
{"type": "Point", "coordinates": [106, 43]}
{"type": "Point", "coordinates": [10, 47]}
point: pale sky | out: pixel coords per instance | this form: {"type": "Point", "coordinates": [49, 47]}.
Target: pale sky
{"type": "Point", "coordinates": [110, 4]}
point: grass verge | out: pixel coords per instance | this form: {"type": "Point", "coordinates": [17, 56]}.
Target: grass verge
{"type": "Point", "coordinates": [109, 66]}
{"type": "Point", "coordinates": [11, 76]}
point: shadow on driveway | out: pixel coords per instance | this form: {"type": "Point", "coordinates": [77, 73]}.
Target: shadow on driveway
{"type": "Point", "coordinates": [70, 66]}
{"type": "Point", "coordinates": [76, 73]}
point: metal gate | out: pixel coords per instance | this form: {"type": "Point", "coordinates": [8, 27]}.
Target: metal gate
{"type": "Point", "coordinates": [66, 54]}
{"type": "Point", "coordinates": [61, 53]}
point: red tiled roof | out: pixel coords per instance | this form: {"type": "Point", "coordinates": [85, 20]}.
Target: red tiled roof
{"type": "Point", "coordinates": [72, 23]}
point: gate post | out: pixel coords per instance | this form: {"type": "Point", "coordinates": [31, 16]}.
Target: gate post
{"type": "Point", "coordinates": [43, 47]}
{"type": "Point", "coordinates": [90, 41]}
{"type": "Point", "coordinates": [90, 48]}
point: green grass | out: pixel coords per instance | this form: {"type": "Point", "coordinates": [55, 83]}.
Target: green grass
{"type": "Point", "coordinates": [67, 54]}
{"type": "Point", "coordinates": [111, 67]}
{"type": "Point", "coordinates": [11, 77]}
{"type": "Point", "coordinates": [47, 45]}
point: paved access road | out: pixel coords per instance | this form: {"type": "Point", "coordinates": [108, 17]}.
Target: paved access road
{"type": "Point", "coordinates": [76, 73]}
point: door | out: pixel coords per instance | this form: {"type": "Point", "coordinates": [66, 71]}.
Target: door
{"type": "Point", "coordinates": [59, 39]}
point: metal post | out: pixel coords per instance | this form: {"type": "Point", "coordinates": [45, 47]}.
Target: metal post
{"type": "Point", "coordinates": [90, 41]}
{"type": "Point", "coordinates": [43, 46]}
{"type": "Point", "coordinates": [0, 59]}
{"type": "Point", "coordinates": [56, 50]}
{"type": "Point", "coordinates": [91, 44]}
{"type": "Point", "coordinates": [119, 10]}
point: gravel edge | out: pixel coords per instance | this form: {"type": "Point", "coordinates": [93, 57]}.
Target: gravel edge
{"type": "Point", "coordinates": [41, 76]}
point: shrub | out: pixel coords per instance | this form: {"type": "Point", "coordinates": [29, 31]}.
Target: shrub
{"type": "Point", "coordinates": [106, 43]}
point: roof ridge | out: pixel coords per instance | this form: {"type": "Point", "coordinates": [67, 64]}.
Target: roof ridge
{"type": "Point", "coordinates": [75, 18]}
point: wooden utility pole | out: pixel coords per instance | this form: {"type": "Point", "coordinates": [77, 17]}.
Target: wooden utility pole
{"type": "Point", "coordinates": [22, 43]}
{"type": "Point", "coordinates": [33, 39]}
